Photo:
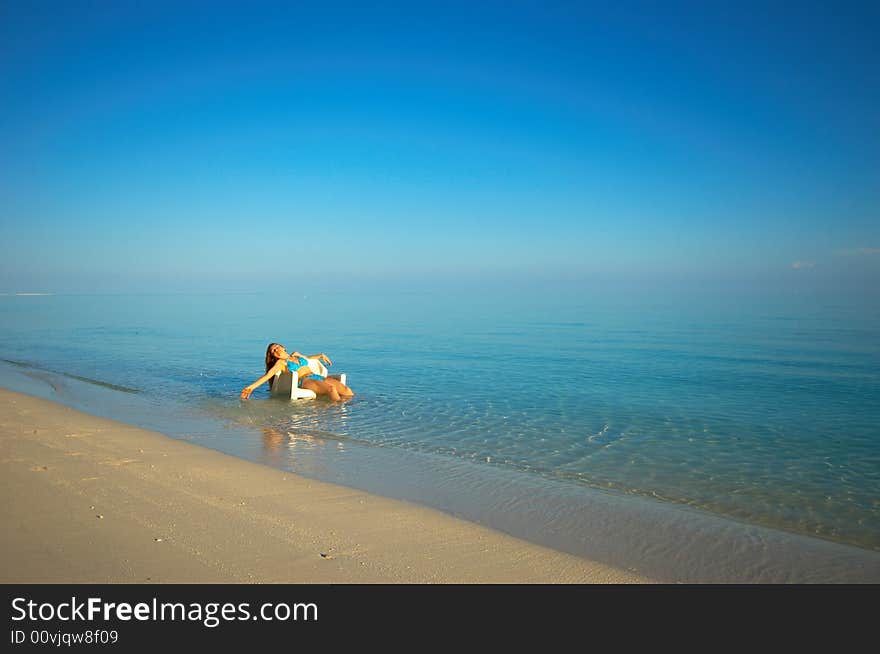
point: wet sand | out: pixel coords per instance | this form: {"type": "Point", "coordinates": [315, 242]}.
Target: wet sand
{"type": "Point", "coordinates": [91, 500]}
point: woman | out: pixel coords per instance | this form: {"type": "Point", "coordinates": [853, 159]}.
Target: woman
{"type": "Point", "coordinates": [278, 360]}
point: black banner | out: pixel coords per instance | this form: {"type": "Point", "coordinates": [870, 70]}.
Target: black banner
{"type": "Point", "coordinates": [135, 617]}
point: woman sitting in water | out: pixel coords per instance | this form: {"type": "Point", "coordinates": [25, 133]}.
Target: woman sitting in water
{"type": "Point", "coordinates": [278, 360]}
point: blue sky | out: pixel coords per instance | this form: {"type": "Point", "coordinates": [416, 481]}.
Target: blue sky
{"type": "Point", "coordinates": [211, 146]}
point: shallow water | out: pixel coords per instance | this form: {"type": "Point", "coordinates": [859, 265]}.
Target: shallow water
{"type": "Point", "coordinates": [527, 411]}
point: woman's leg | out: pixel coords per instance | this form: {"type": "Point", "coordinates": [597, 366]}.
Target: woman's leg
{"type": "Point", "coordinates": [342, 389]}
{"type": "Point", "coordinates": [321, 387]}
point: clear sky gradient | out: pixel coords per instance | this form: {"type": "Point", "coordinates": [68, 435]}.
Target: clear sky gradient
{"type": "Point", "coordinates": [210, 146]}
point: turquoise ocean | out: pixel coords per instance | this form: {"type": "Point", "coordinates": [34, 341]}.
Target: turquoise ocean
{"type": "Point", "coordinates": [689, 437]}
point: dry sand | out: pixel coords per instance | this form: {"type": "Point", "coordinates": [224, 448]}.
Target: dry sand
{"type": "Point", "coordinates": [87, 499]}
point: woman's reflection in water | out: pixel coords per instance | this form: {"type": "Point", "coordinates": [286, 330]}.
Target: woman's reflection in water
{"type": "Point", "coordinates": [278, 445]}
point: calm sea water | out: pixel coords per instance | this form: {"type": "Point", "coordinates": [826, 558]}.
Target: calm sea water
{"type": "Point", "coordinates": [510, 408]}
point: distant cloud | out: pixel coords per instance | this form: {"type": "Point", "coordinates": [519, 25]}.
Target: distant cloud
{"type": "Point", "coordinates": [802, 265]}
{"type": "Point", "coordinates": [855, 252]}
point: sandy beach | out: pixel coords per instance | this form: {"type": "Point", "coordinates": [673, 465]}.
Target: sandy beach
{"type": "Point", "coordinates": [90, 500]}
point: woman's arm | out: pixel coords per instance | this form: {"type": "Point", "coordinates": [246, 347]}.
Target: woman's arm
{"type": "Point", "coordinates": [321, 357]}
{"type": "Point", "coordinates": [246, 392]}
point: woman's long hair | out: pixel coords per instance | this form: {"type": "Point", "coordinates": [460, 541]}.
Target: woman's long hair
{"type": "Point", "coordinates": [270, 361]}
